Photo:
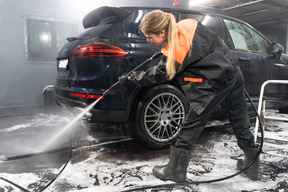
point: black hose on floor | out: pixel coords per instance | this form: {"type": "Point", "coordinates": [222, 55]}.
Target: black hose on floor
{"type": "Point", "coordinates": [213, 180]}
{"type": "Point", "coordinates": [163, 185]}
{"type": "Point", "coordinates": [155, 55]}
{"type": "Point", "coordinates": [14, 184]}
{"type": "Point", "coordinates": [62, 169]}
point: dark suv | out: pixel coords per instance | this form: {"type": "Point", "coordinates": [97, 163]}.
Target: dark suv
{"type": "Point", "coordinates": [112, 44]}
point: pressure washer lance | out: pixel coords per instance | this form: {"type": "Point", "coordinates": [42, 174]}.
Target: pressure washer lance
{"type": "Point", "coordinates": [138, 66]}
{"type": "Point", "coordinates": [199, 182]}
{"type": "Point", "coordinates": [95, 102]}
{"type": "Point", "coordinates": [172, 184]}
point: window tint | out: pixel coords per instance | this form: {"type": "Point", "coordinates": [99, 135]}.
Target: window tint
{"type": "Point", "coordinates": [137, 18]}
{"type": "Point", "coordinates": [245, 38]}
{"type": "Point", "coordinates": [93, 31]}
{"type": "Point", "coordinates": [105, 21]}
{"type": "Point", "coordinates": [44, 38]}
{"type": "Point", "coordinates": [104, 16]}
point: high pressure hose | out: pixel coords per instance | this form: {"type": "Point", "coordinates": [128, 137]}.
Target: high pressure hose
{"type": "Point", "coordinates": [30, 155]}
{"type": "Point", "coordinates": [163, 185]}
{"type": "Point", "coordinates": [220, 179]}
{"type": "Point", "coordinates": [14, 184]}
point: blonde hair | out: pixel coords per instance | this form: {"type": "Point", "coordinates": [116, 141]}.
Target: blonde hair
{"type": "Point", "coordinates": [153, 23]}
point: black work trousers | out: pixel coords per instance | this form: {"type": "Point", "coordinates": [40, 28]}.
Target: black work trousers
{"type": "Point", "coordinates": [233, 101]}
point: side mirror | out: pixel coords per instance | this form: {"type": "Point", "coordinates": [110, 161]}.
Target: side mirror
{"type": "Point", "coordinates": [276, 48]}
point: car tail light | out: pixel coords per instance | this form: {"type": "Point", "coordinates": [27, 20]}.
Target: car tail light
{"type": "Point", "coordinates": [86, 96]}
{"type": "Point", "coordinates": [97, 50]}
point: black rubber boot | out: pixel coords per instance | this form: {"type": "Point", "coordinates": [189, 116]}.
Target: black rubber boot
{"type": "Point", "coordinates": [253, 171]}
{"type": "Point", "coordinates": [176, 168]}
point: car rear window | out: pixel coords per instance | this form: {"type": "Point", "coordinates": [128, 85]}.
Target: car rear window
{"type": "Point", "coordinates": [104, 16]}
{"type": "Point", "coordinates": [100, 20]}
{"type": "Point", "coordinates": [93, 31]}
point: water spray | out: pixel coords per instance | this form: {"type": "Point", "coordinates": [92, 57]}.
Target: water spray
{"type": "Point", "coordinates": [86, 110]}
{"type": "Point", "coordinates": [89, 107]}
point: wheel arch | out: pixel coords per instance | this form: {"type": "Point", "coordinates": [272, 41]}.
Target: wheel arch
{"type": "Point", "coordinates": [139, 94]}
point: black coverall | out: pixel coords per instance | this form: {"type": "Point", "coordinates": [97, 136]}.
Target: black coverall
{"type": "Point", "coordinates": [209, 75]}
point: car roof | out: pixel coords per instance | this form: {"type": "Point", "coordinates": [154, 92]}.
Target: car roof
{"type": "Point", "coordinates": [181, 10]}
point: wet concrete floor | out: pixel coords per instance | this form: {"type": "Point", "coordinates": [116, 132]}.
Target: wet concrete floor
{"type": "Point", "coordinates": [32, 143]}
{"type": "Point", "coordinates": [24, 139]}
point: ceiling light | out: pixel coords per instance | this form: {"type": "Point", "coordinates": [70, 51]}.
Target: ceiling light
{"type": "Point", "coordinates": [139, 16]}
{"type": "Point", "coordinates": [242, 5]}
{"type": "Point", "coordinates": [206, 19]}
{"type": "Point", "coordinates": [255, 12]}
{"type": "Point", "coordinates": [176, 3]}
{"type": "Point", "coordinates": [198, 2]}
{"type": "Point", "coordinates": [45, 37]}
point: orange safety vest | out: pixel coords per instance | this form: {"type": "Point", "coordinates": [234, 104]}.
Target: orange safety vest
{"type": "Point", "coordinates": [186, 31]}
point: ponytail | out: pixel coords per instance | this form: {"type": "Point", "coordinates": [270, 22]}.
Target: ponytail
{"type": "Point", "coordinates": [171, 39]}
{"type": "Point", "coordinates": [153, 23]}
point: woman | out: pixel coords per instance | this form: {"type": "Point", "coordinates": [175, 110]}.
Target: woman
{"type": "Point", "coordinates": [208, 74]}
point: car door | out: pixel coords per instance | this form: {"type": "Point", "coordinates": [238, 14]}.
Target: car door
{"type": "Point", "coordinates": [257, 62]}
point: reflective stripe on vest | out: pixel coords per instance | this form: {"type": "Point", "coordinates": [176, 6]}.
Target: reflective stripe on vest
{"type": "Point", "coordinates": [198, 80]}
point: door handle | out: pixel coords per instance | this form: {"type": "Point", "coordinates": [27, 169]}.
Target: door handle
{"type": "Point", "coordinates": [244, 59]}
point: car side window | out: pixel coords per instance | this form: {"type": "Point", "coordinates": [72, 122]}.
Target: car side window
{"type": "Point", "coordinates": [138, 18]}
{"type": "Point", "coordinates": [207, 20]}
{"type": "Point", "coordinates": [245, 38]}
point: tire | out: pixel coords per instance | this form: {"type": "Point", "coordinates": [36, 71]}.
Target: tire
{"type": "Point", "coordinates": [159, 115]}
{"type": "Point", "coordinates": [283, 110]}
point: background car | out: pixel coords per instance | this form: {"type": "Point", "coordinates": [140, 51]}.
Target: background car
{"type": "Point", "coordinates": [112, 44]}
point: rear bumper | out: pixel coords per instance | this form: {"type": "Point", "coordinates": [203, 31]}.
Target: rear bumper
{"type": "Point", "coordinates": [100, 114]}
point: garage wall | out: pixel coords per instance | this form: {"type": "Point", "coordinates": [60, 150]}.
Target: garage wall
{"type": "Point", "coordinates": [22, 80]}
{"type": "Point", "coordinates": [287, 40]}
